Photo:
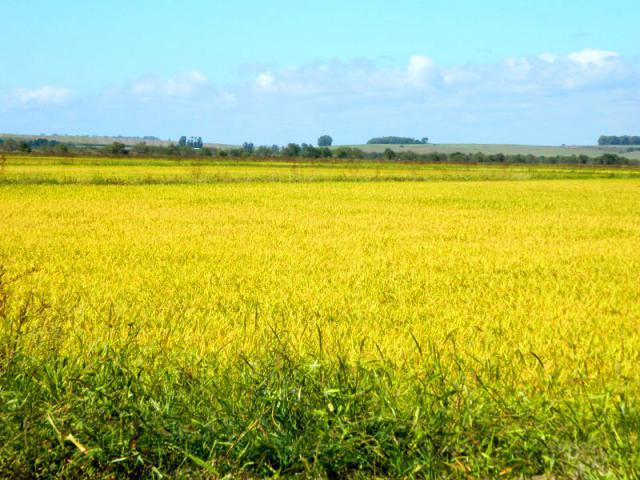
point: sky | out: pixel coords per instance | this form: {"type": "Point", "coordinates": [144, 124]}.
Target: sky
{"type": "Point", "coordinates": [279, 71]}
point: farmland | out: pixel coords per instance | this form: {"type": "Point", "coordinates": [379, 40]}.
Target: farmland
{"type": "Point", "coordinates": [345, 319]}
{"type": "Point", "coordinates": [488, 149]}
{"type": "Point", "coordinates": [100, 170]}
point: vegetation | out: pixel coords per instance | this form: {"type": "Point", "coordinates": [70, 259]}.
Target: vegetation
{"type": "Point", "coordinates": [325, 141]}
{"type": "Point", "coordinates": [621, 140]}
{"type": "Point", "coordinates": [131, 170]}
{"type": "Point", "coordinates": [507, 150]}
{"type": "Point", "coordinates": [188, 148]}
{"type": "Point", "coordinates": [87, 140]}
{"type": "Point", "coordinates": [192, 142]}
{"type": "Point", "coordinates": [323, 329]}
{"type": "Point", "coordinates": [397, 141]}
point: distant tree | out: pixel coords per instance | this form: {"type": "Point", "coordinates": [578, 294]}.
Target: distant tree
{"type": "Point", "coordinates": [325, 152]}
{"type": "Point", "coordinates": [389, 154]}
{"type": "Point", "coordinates": [348, 152]}
{"type": "Point", "coordinates": [608, 159]}
{"type": "Point", "coordinates": [24, 147]}
{"type": "Point", "coordinates": [9, 145]}
{"type": "Point", "coordinates": [248, 147]}
{"type": "Point", "coordinates": [141, 149]}
{"type": "Point", "coordinates": [325, 141]}
{"type": "Point", "coordinates": [291, 150]}
{"type": "Point", "coordinates": [396, 141]}
{"type": "Point", "coordinates": [117, 148]}
{"type": "Point", "coordinates": [172, 149]}
{"type": "Point", "coordinates": [236, 152]}
{"type": "Point", "coordinates": [61, 149]}
{"type": "Point", "coordinates": [310, 151]}
{"type": "Point", "coordinates": [619, 140]}
{"type": "Point", "coordinates": [192, 142]}
{"type": "Point", "coordinates": [263, 151]}
{"type": "Point", "coordinates": [425, 140]}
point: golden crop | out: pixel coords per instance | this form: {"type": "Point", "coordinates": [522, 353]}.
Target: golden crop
{"type": "Point", "coordinates": [543, 276]}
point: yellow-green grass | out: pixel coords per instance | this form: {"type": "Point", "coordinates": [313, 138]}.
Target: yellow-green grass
{"type": "Point", "coordinates": [24, 170]}
{"type": "Point", "coordinates": [527, 290]}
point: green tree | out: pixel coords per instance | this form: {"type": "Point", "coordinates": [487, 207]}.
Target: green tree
{"type": "Point", "coordinates": [117, 148]}
{"type": "Point", "coordinates": [291, 150]}
{"type": "Point", "coordinates": [141, 149]}
{"type": "Point", "coordinates": [325, 141]}
{"type": "Point", "coordinates": [389, 154]}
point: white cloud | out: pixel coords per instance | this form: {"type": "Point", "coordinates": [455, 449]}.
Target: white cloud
{"type": "Point", "coordinates": [590, 58]}
{"type": "Point", "coordinates": [359, 77]}
{"type": "Point", "coordinates": [421, 71]}
{"type": "Point", "coordinates": [520, 67]}
{"type": "Point", "coordinates": [545, 73]}
{"type": "Point", "coordinates": [265, 81]}
{"type": "Point", "coordinates": [592, 67]}
{"type": "Point", "coordinates": [46, 95]}
{"type": "Point", "coordinates": [183, 85]}
{"type": "Point", "coordinates": [548, 57]}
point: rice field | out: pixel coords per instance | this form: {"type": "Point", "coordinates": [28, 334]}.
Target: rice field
{"type": "Point", "coordinates": [318, 320]}
{"type": "Point", "coordinates": [127, 171]}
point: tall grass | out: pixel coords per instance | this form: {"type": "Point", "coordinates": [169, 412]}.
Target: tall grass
{"type": "Point", "coordinates": [121, 410]}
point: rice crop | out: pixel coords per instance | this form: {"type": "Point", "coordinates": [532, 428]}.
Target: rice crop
{"type": "Point", "coordinates": [343, 328]}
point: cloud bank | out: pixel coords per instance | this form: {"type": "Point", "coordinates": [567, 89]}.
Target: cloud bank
{"type": "Point", "coordinates": [42, 96]}
{"type": "Point", "coordinates": [546, 98]}
{"type": "Point", "coordinates": [183, 85]}
{"type": "Point", "coordinates": [546, 73]}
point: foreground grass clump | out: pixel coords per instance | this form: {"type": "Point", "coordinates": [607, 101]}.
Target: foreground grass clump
{"type": "Point", "coordinates": [112, 415]}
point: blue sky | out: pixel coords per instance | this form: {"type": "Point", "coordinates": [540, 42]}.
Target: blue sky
{"type": "Point", "coordinates": [543, 72]}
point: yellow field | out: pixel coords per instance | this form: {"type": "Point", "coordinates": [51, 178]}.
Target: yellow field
{"type": "Point", "coordinates": [498, 269]}
{"type": "Point", "coordinates": [538, 279]}
{"type": "Point", "coordinates": [100, 170]}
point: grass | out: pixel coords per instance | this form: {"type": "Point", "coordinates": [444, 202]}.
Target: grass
{"type": "Point", "coordinates": [324, 329]}
{"type": "Point", "coordinates": [141, 171]}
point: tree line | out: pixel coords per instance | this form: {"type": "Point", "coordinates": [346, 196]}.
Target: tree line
{"type": "Point", "coordinates": [619, 140]}
{"type": "Point", "coordinates": [398, 141]}
{"type": "Point", "coordinates": [41, 145]}
{"type": "Point", "coordinates": [297, 151]}
{"type": "Point", "coordinates": [193, 142]}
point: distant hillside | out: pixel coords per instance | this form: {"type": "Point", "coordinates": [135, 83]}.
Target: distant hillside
{"type": "Point", "coordinates": [93, 140]}
{"type": "Point", "coordinates": [592, 151]}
